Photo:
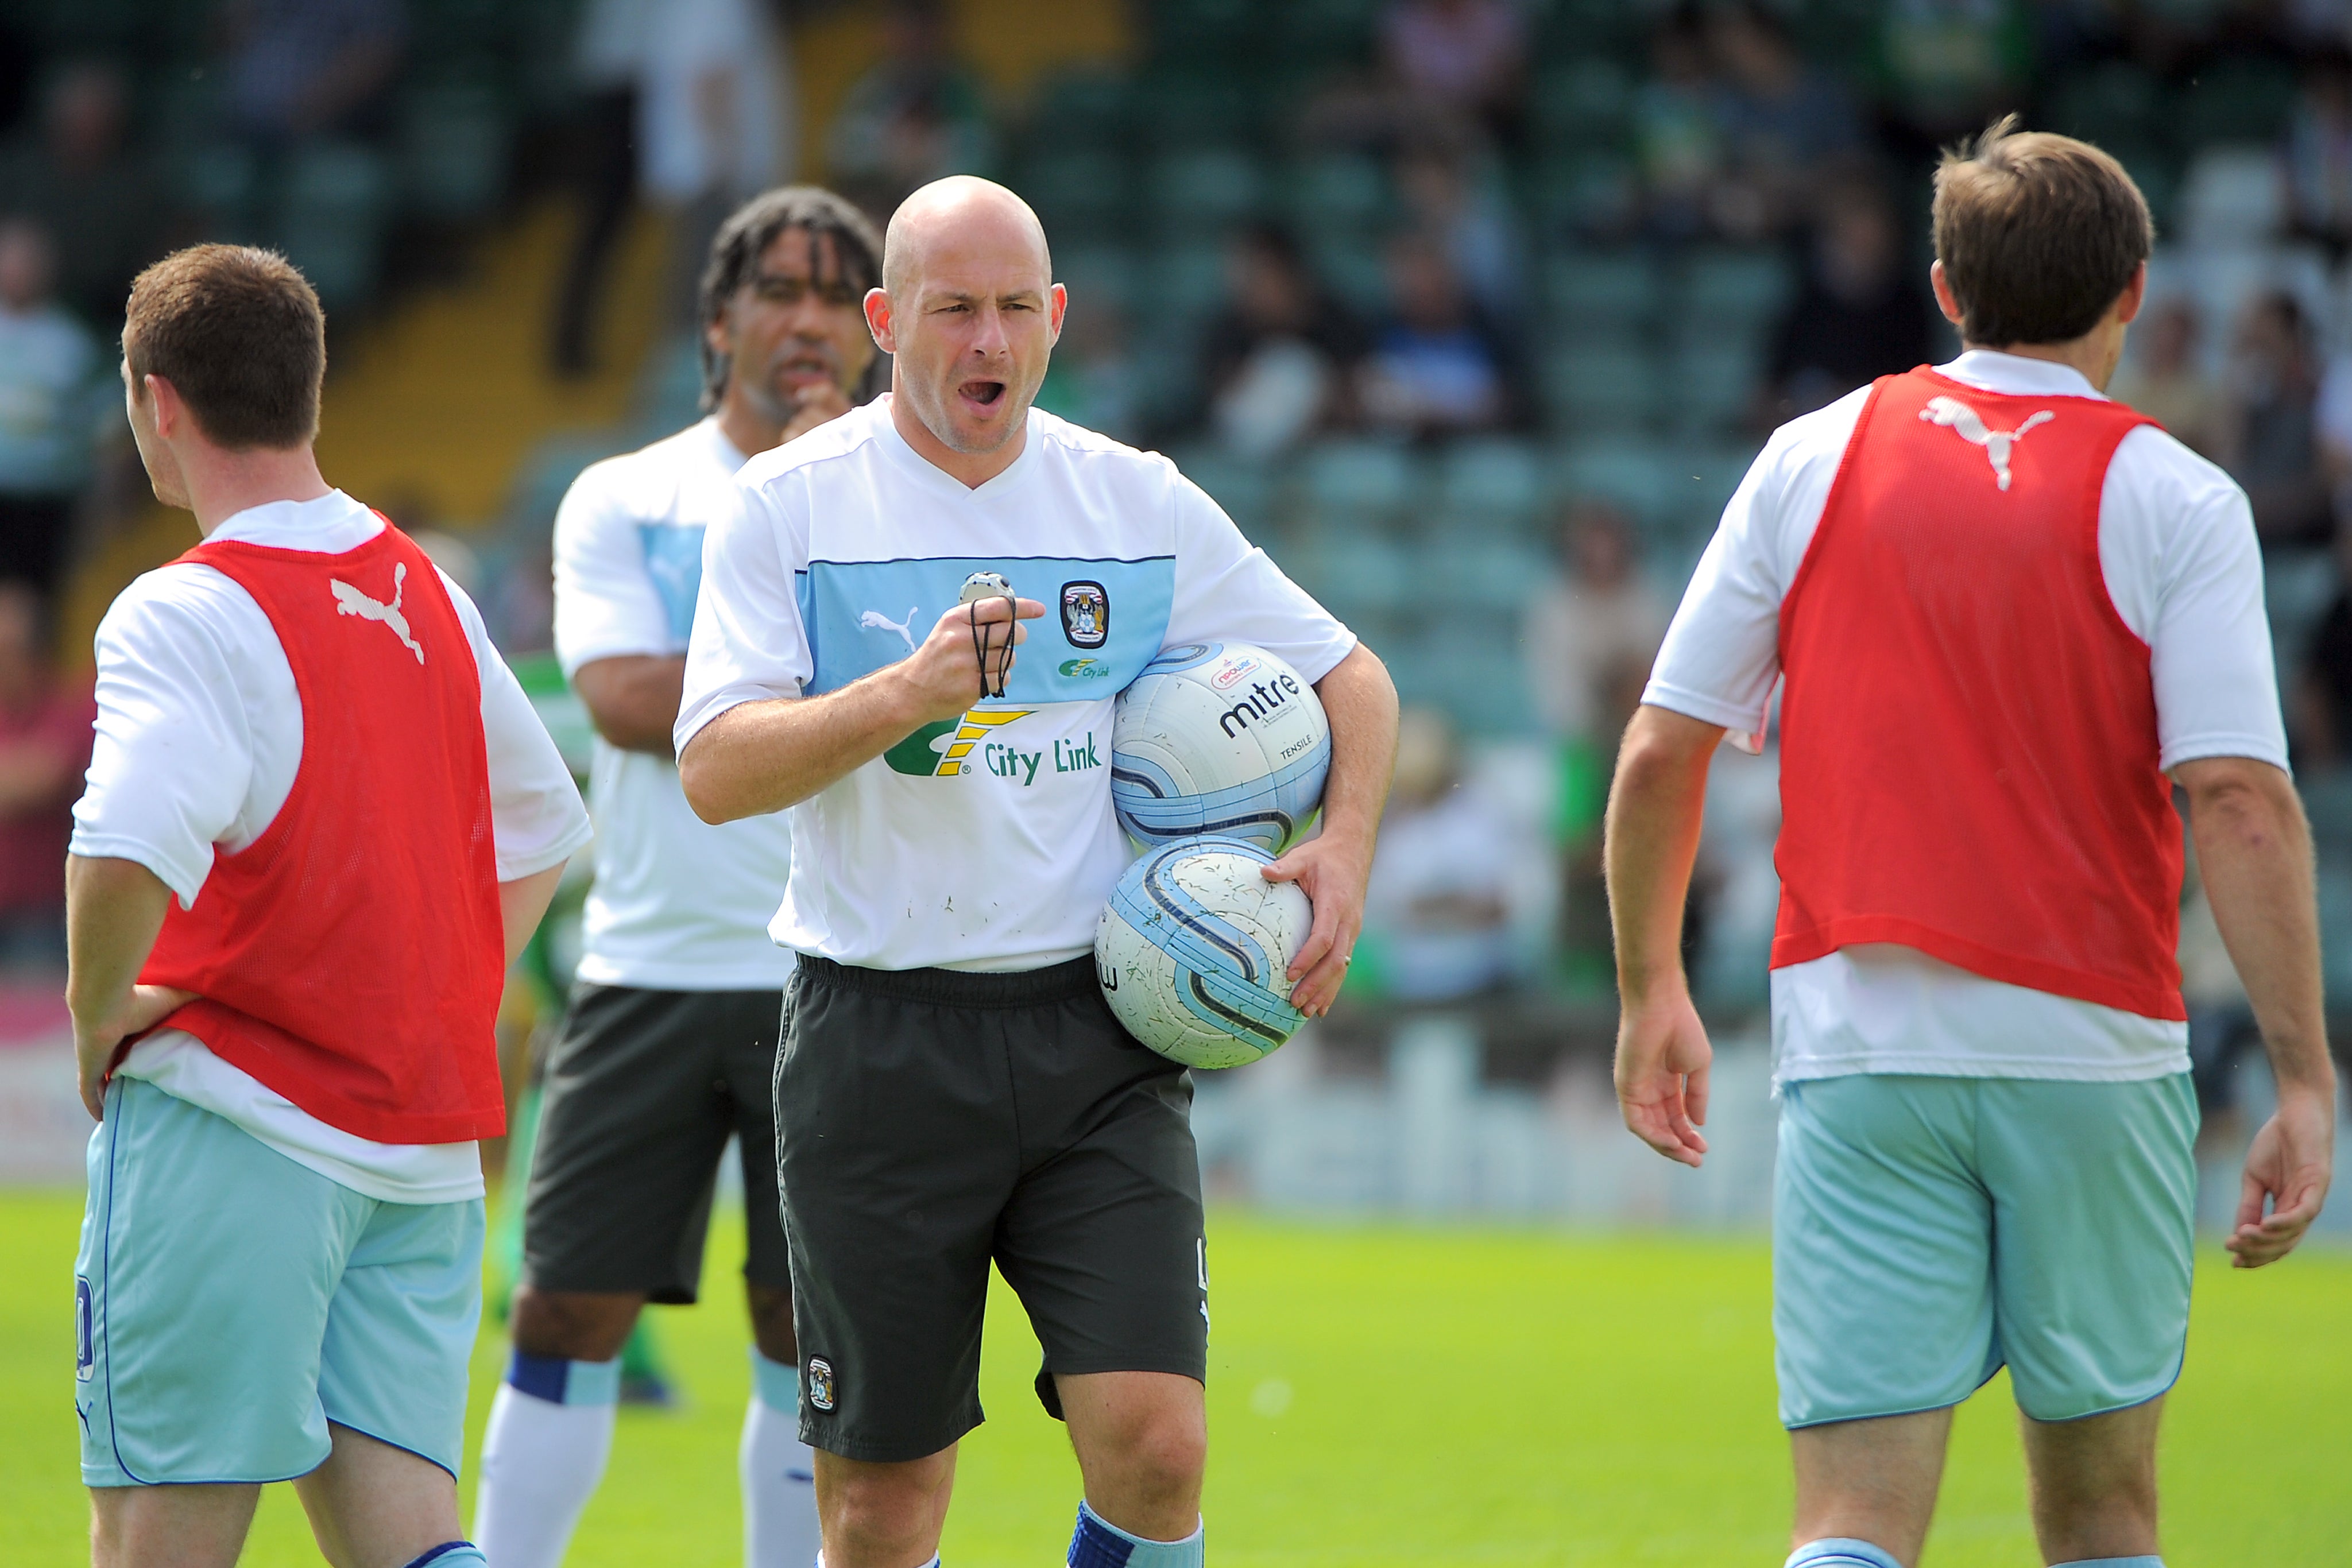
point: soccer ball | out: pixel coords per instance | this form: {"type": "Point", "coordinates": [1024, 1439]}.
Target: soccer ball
{"type": "Point", "coordinates": [1192, 951]}
{"type": "Point", "coordinates": [1219, 739]}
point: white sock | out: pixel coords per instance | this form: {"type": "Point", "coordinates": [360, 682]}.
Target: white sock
{"type": "Point", "coordinates": [778, 1472]}
{"type": "Point", "coordinates": [550, 1432]}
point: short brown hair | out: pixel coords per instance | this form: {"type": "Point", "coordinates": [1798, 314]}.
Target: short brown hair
{"type": "Point", "coordinates": [2038, 235]}
{"type": "Point", "coordinates": [239, 335]}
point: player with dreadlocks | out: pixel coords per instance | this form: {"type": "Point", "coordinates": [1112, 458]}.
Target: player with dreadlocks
{"type": "Point", "coordinates": [670, 1042]}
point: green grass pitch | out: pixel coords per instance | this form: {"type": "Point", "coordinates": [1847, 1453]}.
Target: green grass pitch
{"type": "Point", "coordinates": [1386, 1396]}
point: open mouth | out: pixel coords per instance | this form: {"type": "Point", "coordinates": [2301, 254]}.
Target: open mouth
{"type": "Point", "coordinates": [982, 394]}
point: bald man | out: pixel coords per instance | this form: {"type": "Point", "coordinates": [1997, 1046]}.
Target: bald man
{"type": "Point", "coordinates": [952, 1089]}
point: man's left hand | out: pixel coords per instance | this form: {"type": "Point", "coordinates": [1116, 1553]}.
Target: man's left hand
{"type": "Point", "coordinates": [94, 1046]}
{"type": "Point", "coordinates": [1330, 870]}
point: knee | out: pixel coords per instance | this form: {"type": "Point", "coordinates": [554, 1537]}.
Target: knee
{"type": "Point", "coordinates": [1161, 1455]}
{"type": "Point", "coordinates": [880, 1505]}
{"type": "Point", "coordinates": [573, 1325]}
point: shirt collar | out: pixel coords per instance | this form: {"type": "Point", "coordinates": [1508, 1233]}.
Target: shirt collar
{"type": "Point", "coordinates": [1990, 370]}
{"type": "Point", "coordinates": [329, 525]}
{"type": "Point", "coordinates": [932, 474]}
{"type": "Point", "coordinates": [722, 449]}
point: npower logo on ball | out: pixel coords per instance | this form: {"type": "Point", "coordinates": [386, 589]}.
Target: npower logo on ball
{"type": "Point", "coordinates": [942, 750]}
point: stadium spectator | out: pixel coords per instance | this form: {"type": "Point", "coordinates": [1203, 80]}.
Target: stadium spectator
{"type": "Point", "coordinates": [1678, 139]}
{"type": "Point", "coordinates": [2320, 700]}
{"type": "Point", "coordinates": [1782, 120]}
{"type": "Point", "coordinates": [1465, 57]}
{"type": "Point", "coordinates": [2272, 435]}
{"type": "Point", "coordinates": [606, 55]}
{"type": "Point", "coordinates": [2318, 151]}
{"type": "Point", "coordinates": [1438, 366]}
{"type": "Point", "coordinates": [918, 115]}
{"type": "Point", "coordinates": [44, 742]}
{"type": "Point", "coordinates": [300, 69]}
{"type": "Point", "coordinates": [98, 199]}
{"type": "Point", "coordinates": [1464, 209]}
{"type": "Point", "coordinates": [1438, 902]}
{"type": "Point", "coordinates": [1590, 623]}
{"type": "Point", "coordinates": [1859, 313]}
{"type": "Point", "coordinates": [1944, 67]}
{"type": "Point", "coordinates": [56, 396]}
{"type": "Point", "coordinates": [1278, 359]}
{"type": "Point", "coordinates": [2162, 378]}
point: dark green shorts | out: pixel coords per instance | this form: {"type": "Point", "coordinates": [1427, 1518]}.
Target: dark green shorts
{"type": "Point", "coordinates": [933, 1121]}
{"type": "Point", "coordinates": [643, 1090]}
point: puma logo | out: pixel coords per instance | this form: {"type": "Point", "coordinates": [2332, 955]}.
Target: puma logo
{"type": "Point", "coordinates": [875, 621]}
{"type": "Point", "coordinates": [1956, 416]}
{"type": "Point", "coordinates": [350, 601]}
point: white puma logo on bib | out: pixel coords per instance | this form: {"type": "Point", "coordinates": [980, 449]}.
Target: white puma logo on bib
{"type": "Point", "coordinates": [875, 621]}
{"type": "Point", "coordinates": [350, 601]}
{"type": "Point", "coordinates": [1969, 426]}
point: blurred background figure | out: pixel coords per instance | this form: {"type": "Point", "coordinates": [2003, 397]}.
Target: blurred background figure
{"type": "Point", "coordinates": [2164, 377]}
{"type": "Point", "coordinates": [1096, 378]}
{"type": "Point", "coordinates": [46, 725]}
{"type": "Point", "coordinates": [303, 69]}
{"type": "Point", "coordinates": [1277, 358]}
{"type": "Point", "coordinates": [1862, 311]}
{"type": "Point", "coordinates": [1438, 906]}
{"type": "Point", "coordinates": [58, 394]}
{"type": "Point", "coordinates": [2317, 155]}
{"type": "Point", "coordinates": [2271, 442]}
{"type": "Point", "coordinates": [607, 51]}
{"type": "Point", "coordinates": [1592, 630]}
{"type": "Point", "coordinates": [1464, 58]}
{"type": "Point", "coordinates": [1468, 217]}
{"type": "Point", "coordinates": [1782, 122]}
{"type": "Point", "coordinates": [97, 197]}
{"type": "Point", "coordinates": [1437, 365]}
{"type": "Point", "coordinates": [917, 115]}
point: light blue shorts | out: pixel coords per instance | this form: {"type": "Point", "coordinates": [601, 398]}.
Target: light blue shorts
{"type": "Point", "coordinates": [232, 1302]}
{"type": "Point", "coordinates": [1925, 1231]}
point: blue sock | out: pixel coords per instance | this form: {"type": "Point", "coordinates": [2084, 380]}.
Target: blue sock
{"type": "Point", "coordinates": [2113, 1563]}
{"type": "Point", "coordinates": [1841, 1553]}
{"type": "Point", "coordinates": [560, 1381]}
{"type": "Point", "coordinates": [452, 1554]}
{"type": "Point", "coordinates": [1099, 1543]}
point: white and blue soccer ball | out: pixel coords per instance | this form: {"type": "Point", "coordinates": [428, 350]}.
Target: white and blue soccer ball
{"type": "Point", "coordinates": [1218, 737]}
{"type": "Point", "coordinates": [1195, 948]}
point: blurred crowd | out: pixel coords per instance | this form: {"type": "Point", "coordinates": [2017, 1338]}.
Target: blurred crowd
{"type": "Point", "coordinates": [1471, 311]}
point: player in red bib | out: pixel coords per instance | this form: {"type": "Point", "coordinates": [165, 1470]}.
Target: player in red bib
{"type": "Point", "coordinates": [2012, 618]}
{"type": "Point", "coordinates": [322, 818]}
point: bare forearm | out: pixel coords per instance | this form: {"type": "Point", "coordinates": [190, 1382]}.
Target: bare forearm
{"type": "Point", "coordinates": [763, 756]}
{"type": "Point", "coordinates": [2253, 851]}
{"type": "Point", "coordinates": [114, 910]}
{"type": "Point", "coordinates": [1361, 702]}
{"type": "Point", "coordinates": [523, 905]}
{"type": "Point", "coordinates": [1656, 802]}
{"type": "Point", "coordinates": [632, 700]}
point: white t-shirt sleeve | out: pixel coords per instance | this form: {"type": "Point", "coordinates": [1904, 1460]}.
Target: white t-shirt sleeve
{"type": "Point", "coordinates": [605, 602]}
{"type": "Point", "coordinates": [1721, 657]}
{"type": "Point", "coordinates": [749, 644]}
{"type": "Point", "coordinates": [537, 818]}
{"type": "Point", "coordinates": [2183, 566]}
{"type": "Point", "coordinates": [172, 761]}
{"type": "Point", "coordinates": [1227, 590]}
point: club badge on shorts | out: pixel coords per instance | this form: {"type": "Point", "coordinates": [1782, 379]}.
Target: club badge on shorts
{"type": "Point", "coordinates": [820, 1383]}
{"type": "Point", "coordinates": [1086, 614]}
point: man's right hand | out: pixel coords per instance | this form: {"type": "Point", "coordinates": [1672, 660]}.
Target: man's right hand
{"type": "Point", "coordinates": [2289, 1166]}
{"type": "Point", "coordinates": [1663, 1057]}
{"type": "Point", "coordinates": [943, 678]}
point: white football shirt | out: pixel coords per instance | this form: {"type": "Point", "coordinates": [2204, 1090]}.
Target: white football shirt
{"type": "Point", "coordinates": [677, 905]}
{"type": "Point", "coordinates": [988, 843]}
{"type": "Point", "coordinates": [199, 736]}
{"type": "Point", "coordinates": [2178, 550]}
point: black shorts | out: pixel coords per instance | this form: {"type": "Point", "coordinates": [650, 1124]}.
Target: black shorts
{"type": "Point", "coordinates": [932, 1121]}
{"type": "Point", "coordinates": [643, 1090]}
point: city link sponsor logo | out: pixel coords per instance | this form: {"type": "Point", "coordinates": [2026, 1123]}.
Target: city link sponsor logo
{"type": "Point", "coordinates": [943, 751]}
{"type": "Point", "coordinates": [1086, 669]}
{"type": "Point", "coordinates": [956, 746]}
